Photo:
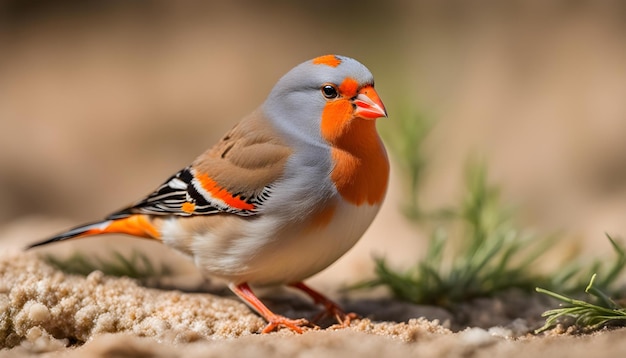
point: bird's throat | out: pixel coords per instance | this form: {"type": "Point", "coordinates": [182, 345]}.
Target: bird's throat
{"type": "Point", "coordinates": [361, 168]}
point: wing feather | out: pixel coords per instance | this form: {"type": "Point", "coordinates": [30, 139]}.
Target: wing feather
{"type": "Point", "coordinates": [234, 176]}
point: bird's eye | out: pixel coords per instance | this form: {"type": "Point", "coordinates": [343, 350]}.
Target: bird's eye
{"type": "Point", "coordinates": [329, 91]}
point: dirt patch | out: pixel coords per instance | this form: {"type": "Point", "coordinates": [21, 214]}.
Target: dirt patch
{"type": "Point", "coordinates": [45, 311]}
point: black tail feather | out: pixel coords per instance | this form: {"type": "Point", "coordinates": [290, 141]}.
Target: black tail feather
{"type": "Point", "coordinates": [78, 231]}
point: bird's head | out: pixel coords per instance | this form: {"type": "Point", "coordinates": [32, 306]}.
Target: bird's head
{"type": "Point", "coordinates": [326, 95]}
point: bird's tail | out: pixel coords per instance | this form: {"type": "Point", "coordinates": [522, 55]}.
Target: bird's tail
{"type": "Point", "coordinates": [137, 225]}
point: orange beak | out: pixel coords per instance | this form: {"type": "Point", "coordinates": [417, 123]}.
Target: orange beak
{"type": "Point", "coordinates": [368, 104]}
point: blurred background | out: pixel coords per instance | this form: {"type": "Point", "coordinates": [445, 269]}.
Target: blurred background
{"type": "Point", "coordinates": [100, 101]}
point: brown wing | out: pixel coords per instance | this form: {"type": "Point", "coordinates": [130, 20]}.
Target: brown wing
{"type": "Point", "coordinates": [235, 175]}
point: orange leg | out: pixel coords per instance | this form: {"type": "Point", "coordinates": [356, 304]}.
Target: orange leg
{"type": "Point", "coordinates": [245, 293]}
{"type": "Point", "coordinates": [331, 308]}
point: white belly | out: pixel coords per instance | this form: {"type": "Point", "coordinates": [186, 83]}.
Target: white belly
{"type": "Point", "coordinates": [256, 253]}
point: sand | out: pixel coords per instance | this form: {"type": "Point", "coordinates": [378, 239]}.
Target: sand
{"type": "Point", "coordinates": [44, 311]}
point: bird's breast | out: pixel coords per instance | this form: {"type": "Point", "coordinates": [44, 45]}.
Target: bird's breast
{"type": "Point", "coordinates": [360, 165]}
{"type": "Point", "coordinates": [304, 249]}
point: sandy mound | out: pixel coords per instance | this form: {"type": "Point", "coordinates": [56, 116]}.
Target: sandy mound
{"type": "Point", "coordinates": [39, 301]}
{"type": "Point", "coordinates": [43, 309]}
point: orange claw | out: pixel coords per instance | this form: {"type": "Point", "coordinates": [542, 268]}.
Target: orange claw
{"type": "Point", "coordinates": [331, 309]}
{"type": "Point", "coordinates": [277, 321]}
{"type": "Point", "coordinates": [274, 321]}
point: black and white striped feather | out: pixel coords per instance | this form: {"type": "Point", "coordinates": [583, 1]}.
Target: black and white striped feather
{"type": "Point", "coordinates": [181, 188]}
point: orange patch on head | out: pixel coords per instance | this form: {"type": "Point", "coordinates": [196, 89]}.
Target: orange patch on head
{"type": "Point", "coordinates": [328, 60]}
{"type": "Point", "coordinates": [349, 87]}
{"type": "Point", "coordinates": [220, 193]}
{"type": "Point", "coordinates": [188, 207]}
{"type": "Point", "coordinates": [136, 225]}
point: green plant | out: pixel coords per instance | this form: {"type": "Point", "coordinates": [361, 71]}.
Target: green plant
{"type": "Point", "coordinates": [137, 265]}
{"type": "Point", "coordinates": [475, 249]}
{"type": "Point", "coordinates": [600, 310]}
{"type": "Point", "coordinates": [488, 254]}
{"type": "Point", "coordinates": [573, 278]}
{"type": "Point", "coordinates": [587, 316]}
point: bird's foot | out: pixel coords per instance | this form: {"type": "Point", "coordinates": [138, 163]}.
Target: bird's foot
{"type": "Point", "coordinates": [343, 319]}
{"type": "Point", "coordinates": [276, 321]}
{"type": "Point", "coordinates": [331, 309]}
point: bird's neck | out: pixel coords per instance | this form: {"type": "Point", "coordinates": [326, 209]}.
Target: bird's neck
{"type": "Point", "coordinates": [361, 167]}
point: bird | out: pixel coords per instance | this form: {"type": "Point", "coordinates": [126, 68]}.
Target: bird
{"type": "Point", "coordinates": [281, 196]}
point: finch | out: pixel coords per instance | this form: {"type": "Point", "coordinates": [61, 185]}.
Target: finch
{"type": "Point", "coordinates": [282, 195]}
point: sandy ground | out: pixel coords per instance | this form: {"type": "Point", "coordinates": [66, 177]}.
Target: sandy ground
{"type": "Point", "coordinates": [101, 103]}
{"type": "Point", "coordinates": [45, 312]}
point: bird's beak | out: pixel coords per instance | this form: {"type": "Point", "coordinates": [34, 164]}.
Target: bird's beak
{"type": "Point", "coordinates": [368, 104]}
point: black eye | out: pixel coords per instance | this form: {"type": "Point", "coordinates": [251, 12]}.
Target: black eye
{"type": "Point", "coordinates": [329, 91]}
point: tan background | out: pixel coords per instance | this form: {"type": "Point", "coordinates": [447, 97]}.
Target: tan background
{"type": "Point", "coordinates": [100, 102]}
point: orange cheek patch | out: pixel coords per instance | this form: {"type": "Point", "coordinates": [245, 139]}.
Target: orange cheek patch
{"type": "Point", "coordinates": [328, 60]}
{"type": "Point", "coordinates": [335, 116]}
{"type": "Point", "coordinates": [217, 192]}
